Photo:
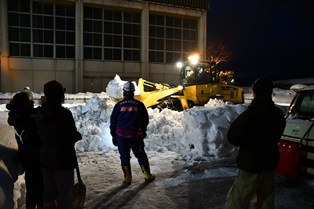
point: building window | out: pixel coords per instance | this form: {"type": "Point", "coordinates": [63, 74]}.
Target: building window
{"type": "Point", "coordinates": [111, 34]}
{"type": "Point", "coordinates": [41, 29]}
{"type": "Point", "coordinates": [171, 39]}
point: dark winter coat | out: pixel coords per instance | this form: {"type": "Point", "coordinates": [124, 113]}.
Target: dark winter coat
{"type": "Point", "coordinates": [58, 134]}
{"type": "Point", "coordinates": [257, 132]}
{"type": "Point", "coordinates": [23, 121]}
{"type": "Point", "coordinates": [128, 117]}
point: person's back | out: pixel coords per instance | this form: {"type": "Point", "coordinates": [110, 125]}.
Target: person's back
{"type": "Point", "coordinates": [22, 116]}
{"type": "Point", "coordinates": [128, 124]}
{"type": "Point", "coordinates": [58, 134]}
{"type": "Point", "coordinates": [256, 131]}
{"type": "Point", "coordinates": [23, 120]}
{"type": "Point", "coordinates": [57, 130]}
{"type": "Point", "coordinates": [258, 145]}
{"type": "Point", "coordinates": [131, 114]}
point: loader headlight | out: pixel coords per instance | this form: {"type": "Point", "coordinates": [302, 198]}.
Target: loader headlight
{"type": "Point", "coordinates": [194, 59]}
{"type": "Point", "coordinates": [180, 87]}
{"type": "Point", "coordinates": [179, 64]}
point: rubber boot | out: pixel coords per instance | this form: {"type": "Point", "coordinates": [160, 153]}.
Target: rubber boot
{"type": "Point", "coordinates": [127, 174]}
{"type": "Point", "coordinates": [146, 170]}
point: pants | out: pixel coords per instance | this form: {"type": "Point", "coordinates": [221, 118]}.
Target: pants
{"type": "Point", "coordinates": [59, 186]}
{"type": "Point", "coordinates": [126, 144]}
{"type": "Point", "coordinates": [259, 186]}
{"type": "Point", "coordinates": [34, 186]}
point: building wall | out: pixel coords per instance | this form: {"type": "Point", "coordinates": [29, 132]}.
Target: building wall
{"type": "Point", "coordinates": [82, 75]}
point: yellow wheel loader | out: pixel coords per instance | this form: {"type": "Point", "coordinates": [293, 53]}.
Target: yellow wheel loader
{"type": "Point", "coordinates": [198, 82]}
{"type": "Point", "coordinates": [201, 81]}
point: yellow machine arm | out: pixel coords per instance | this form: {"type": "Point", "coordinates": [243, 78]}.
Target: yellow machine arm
{"type": "Point", "coordinates": [150, 98]}
{"type": "Point", "coordinates": [153, 98]}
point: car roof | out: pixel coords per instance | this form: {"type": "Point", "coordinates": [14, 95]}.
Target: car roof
{"type": "Point", "coordinates": [307, 88]}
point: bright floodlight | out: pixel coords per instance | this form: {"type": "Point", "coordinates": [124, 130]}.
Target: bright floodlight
{"type": "Point", "coordinates": [180, 87]}
{"type": "Point", "coordinates": [194, 58]}
{"type": "Point", "coordinates": [179, 64]}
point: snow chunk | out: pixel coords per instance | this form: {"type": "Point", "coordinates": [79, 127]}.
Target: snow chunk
{"type": "Point", "coordinates": [114, 88]}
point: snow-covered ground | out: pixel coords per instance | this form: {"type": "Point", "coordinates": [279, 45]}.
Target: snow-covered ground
{"type": "Point", "coordinates": [188, 151]}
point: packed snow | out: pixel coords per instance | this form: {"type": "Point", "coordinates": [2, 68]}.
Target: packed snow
{"type": "Point", "coordinates": [182, 138]}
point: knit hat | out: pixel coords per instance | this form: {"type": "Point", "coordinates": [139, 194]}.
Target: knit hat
{"type": "Point", "coordinates": [128, 88]}
{"type": "Point", "coordinates": [53, 90]}
{"type": "Point", "coordinates": [263, 86]}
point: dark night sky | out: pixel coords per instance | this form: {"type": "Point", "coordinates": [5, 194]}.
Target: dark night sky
{"type": "Point", "coordinates": [273, 38]}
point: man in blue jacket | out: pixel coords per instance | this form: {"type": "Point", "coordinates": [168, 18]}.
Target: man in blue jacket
{"type": "Point", "coordinates": [128, 123]}
{"type": "Point", "coordinates": [256, 132]}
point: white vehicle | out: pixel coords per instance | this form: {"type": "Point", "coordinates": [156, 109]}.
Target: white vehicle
{"type": "Point", "coordinates": [297, 142]}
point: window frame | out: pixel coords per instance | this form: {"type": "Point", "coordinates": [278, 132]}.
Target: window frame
{"type": "Point", "coordinates": [39, 44]}
{"type": "Point", "coordinates": [116, 33]}
{"type": "Point", "coordinates": [176, 45]}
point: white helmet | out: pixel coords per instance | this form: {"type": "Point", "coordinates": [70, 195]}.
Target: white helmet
{"type": "Point", "coordinates": [128, 88]}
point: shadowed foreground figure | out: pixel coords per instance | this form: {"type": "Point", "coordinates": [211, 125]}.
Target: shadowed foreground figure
{"type": "Point", "coordinates": [22, 117]}
{"type": "Point", "coordinates": [256, 132]}
{"type": "Point", "coordinates": [58, 134]}
{"type": "Point", "coordinates": [128, 123]}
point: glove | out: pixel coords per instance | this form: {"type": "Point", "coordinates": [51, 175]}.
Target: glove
{"type": "Point", "coordinates": [114, 138]}
{"type": "Point", "coordinates": [115, 141]}
{"type": "Point", "coordinates": [141, 134]}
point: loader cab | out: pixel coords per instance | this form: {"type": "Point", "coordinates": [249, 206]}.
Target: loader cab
{"type": "Point", "coordinates": [202, 81]}
{"type": "Point", "coordinates": [199, 73]}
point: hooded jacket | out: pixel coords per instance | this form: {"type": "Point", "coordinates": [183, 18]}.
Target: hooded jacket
{"type": "Point", "coordinates": [257, 132]}
{"type": "Point", "coordinates": [23, 121]}
{"type": "Point", "coordinates": [58, 134]}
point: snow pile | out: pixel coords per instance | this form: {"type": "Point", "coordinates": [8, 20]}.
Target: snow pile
{"type": "Point", "coordinates": [205, 130]}
{"type": "Point", "coordinates": [281, 96]}
{"type": "Point", "coordinates": [164, 131]}
{"type": "Point", "coordinates": [114, 88]}
{"type": "Point", "coordinates": [6, 95]}
{"type": "Point", "coordinates": [215, 103]}
{"type": "Point", "coordinates": [91, 121]}
{"type": "Point", "coordinates": [195, 134]}
{"type": "Point", "coordinates": [79, 96]}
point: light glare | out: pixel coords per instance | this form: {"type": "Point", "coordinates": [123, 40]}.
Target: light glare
{"type": "Point", "coordinates": [194, 58]}
{"type": "Point", "coordinates": [179, 64]}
